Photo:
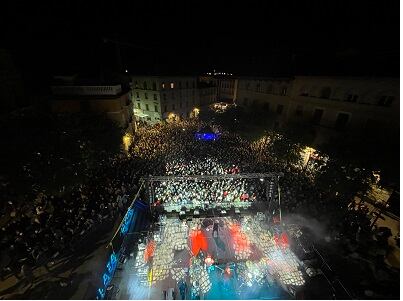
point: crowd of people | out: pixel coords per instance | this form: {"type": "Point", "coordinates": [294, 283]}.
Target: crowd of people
{"type": "Point", "coordinates": [203, 193]}
{"type": "Point", "coordinates": [46, 225]}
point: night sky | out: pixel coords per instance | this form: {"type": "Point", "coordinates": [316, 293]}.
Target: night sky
{"type": "Point", "coordinates": [245, 38]}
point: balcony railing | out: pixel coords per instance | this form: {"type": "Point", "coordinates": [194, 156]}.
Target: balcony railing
{"type": "Point", "coordinates": [87, 90]}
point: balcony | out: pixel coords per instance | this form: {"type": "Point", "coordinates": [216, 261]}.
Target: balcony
{"type": "Point", "coordinates": [87, 90]}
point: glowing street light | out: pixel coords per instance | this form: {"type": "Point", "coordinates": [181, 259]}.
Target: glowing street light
{"type": "Point", "coordinates": [195, 112]}
{"type": "Point", "coordinates": [127, 141]}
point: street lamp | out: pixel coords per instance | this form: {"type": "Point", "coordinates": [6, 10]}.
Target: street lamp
{"type": "Point", "coordinates": [308, 151]}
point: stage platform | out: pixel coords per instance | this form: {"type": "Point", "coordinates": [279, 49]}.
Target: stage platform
{"type": "Point", "coordinates": [220, 257]}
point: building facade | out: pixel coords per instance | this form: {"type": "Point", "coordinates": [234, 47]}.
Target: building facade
{"type": "Point", "coordinates": [112, 101]}
{"type": "Point", "coordinates": [332, 105]}
{"type": "Point", "coordinates": [158, 98]}
{"type": "Point", "coordinates": [226, 86]}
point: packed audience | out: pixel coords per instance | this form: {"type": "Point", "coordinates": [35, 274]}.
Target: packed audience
{"type": "Point", "coordinates": [203, 193]}
{"type": "Point", "coordinates": [47, 226]}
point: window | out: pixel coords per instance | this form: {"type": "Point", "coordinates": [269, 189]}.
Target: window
{"type": "Point", "coordinates": [280, 109]}
{"type": "Point", "coordinates": [137, 95]}
{"type": "Point", "coordinates": [173, 106]}
{"type": "Point", "coordinates": [325, 92]}
{"type": "Point", "coordinates": [180, 85]}
{"type": "Point", "coordinates": [193, 92]}
{"type": "Point", "coordinates": [180, 105]}
{"type": "Point", "coordinates": [304, 91]}
{"type": "Point", "coordinates": [147, 108]}
{"type": "Point", "coordinates": [258, 87]}
{"type": "Point", "coordinates": [341, 121]}
{"type": "Point", "coordinates": [284, 91]}
{"type": "Point", "coordinates": [136, 85]}
{"type": "Point", "coordinates": [193, 85]}
{"type": "Point", "coordinates": [154, 86]}
{"type": "Point", "coordinates": [172, 85]}
{"type": "Point", "coordinates": [351, 98]}
{"type": "Point", "coordinates": [317, 116]}
{"type": "Point", "coordinates": [145, 96]}
{"type": "Point", "coordinates": [173, 95]}
{"type": "Point", "coordinates": [145, 85]}
{"type": "Point", "coordinates": [155, 96]}
{"type": "Point", "coordinates": [269, 88]}
{"type": "Point", "coordinates": [266, 107]}
{"type": "Point", "coordinates": [187, 103]}
{"type": "Point", "coordinates": [149, 118]}
{"type": "Point", "coordinates": [245, 101]}
{"type": "Point", "coordinates": [155, 108]}
{"type": "Point", "coordinates": [247, 85]}
{"type": "Point", "coordinates": [385, 101]}
{"type": "Point", "coordinates": [299, 111]}
{"type": "Point", "coordinates": [163, 85]}
{"type": "Point", "coordinates": [139, 106]}
{"type": "Point", "coordinates": [165, 108]}
{"type": "Point", "coordinates": [187, 85]}
{"type": "Point", "coordinates": [164, 96]}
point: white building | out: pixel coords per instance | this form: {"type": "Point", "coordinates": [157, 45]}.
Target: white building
{"type": "Point", "coordinates": [158, 98]}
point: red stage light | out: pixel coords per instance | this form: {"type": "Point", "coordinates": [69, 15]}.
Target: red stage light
{"type": "Point", "coordinates": [284, 240]}
{"type": "Point", "coordinates": [149, 250]}
{"type": "Point", "coordinates": [240, 239]}
{"type": "Point", "coordinates": [198, 242]}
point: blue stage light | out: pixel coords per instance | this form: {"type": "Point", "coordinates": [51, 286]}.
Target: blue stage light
{"type": "Point", "coordinates": [207, 136]}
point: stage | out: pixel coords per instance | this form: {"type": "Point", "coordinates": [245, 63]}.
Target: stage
{"type": "Point", "coordinates": [231, 257]}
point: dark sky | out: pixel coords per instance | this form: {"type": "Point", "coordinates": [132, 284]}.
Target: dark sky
{"type": "Point", "coordinates": [245, 37]}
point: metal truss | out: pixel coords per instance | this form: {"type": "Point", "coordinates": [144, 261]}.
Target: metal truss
{"type": "Point", "coordinates": [213, 177]}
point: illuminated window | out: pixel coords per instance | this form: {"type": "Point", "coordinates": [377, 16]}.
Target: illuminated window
{"type": "Point", "coordinates": [163, 85]}
{"type": "Point", "coordinates": [172, 85]}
